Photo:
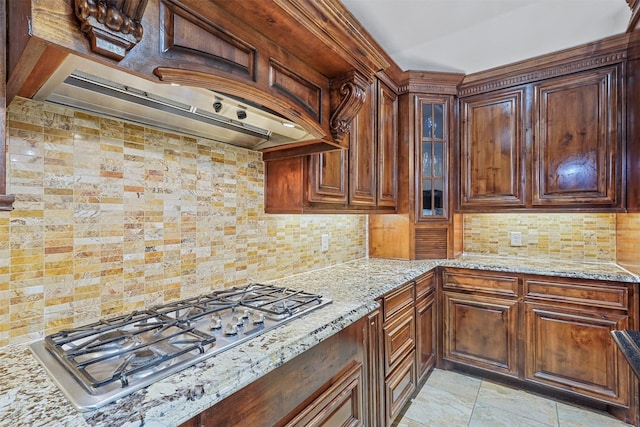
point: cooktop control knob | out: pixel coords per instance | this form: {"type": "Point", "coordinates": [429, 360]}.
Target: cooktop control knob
{"type": "Point", "coordinates": [216, 322]}
{"type": "Point", "coordinates": [230, 329]}
{"type": "Point", "coordinates": [237, 320]}
{"type": "Point", "coordinates": [257, 318]}
{"type": "Point", "coordinates": [246, 313]}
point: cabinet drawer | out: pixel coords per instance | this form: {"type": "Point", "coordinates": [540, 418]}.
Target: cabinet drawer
{"type": "Point", "coordinates": [399, 387]}
{"type": "Point", "coordinates": [397, 300]}
{"type": "Point", "coordinates": [425, 284]}
{"type": "Point", "coordinates": [613, 295]}
{"type": "Point", "coordinates": [474, 281]}
{"type": "Point", "coordinates": [399, 339]}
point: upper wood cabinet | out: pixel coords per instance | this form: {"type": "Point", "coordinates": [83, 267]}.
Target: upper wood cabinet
{"type": "Point", "coordinates": [492, 150]}
{"type": "Point", "coordinates": [424, 225]}
{"type": "Point", "coordinates": [360, 178]}
{"type": "Point", "coordinates": [546, 134]}
{"type": "Point", "coordinates": [576, 151]}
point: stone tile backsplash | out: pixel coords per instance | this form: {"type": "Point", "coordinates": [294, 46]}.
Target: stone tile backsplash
{"type": "Point", "coordinates": [111, 216]}
{"type": "Point", "coordinates": [582, 237]}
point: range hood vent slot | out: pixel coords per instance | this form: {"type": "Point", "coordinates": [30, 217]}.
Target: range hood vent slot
{"type": "Point", "coordinates": [92, 87]}
{"type": "Point", "coordinates": [140, 97]}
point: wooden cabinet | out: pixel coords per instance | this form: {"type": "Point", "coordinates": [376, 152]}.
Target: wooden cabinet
{"type": "Point", "coordinates": [551, 334]}
{"type": "Point", "coordinates": [568, 344]}
{"type": "Point", "coordinates": [424, 226]}
{"type": "Point", "coordinates": [399, 339]}
{"type": "Point", "coordinates": [361, 178]}
{"type": "Point", "coordinates": [492, 150]}
{"type": "Point", "coordinates": [577, 152]}
{"type": "Point", "coordinates": [425, 324]}
{"type": "Point", "coordinates": [480, 321]}
{"type": "Point", "coordinates": [546, 134]}
{"type": "Point", "coordinates": [324, 386]}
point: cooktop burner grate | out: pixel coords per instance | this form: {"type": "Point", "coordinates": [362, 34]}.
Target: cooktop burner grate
{"type": "Point", "coordinates": [103, 361]}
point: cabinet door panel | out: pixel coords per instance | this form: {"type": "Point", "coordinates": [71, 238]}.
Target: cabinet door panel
{"type": "Point", "coordinates": [328, 177]}
{"type": "Point", "coordinates": [492, 150]}
{"type": "Point", "coordinates": [387, 146]}
{"type": "Point", "coordinates": [481, 331]}
{"type": "Point", "coordinates": [576, 139]}
{"type": "Point", "coordinates": [573, 350]}
{"type": "Point", "coordinates": [362, 152]}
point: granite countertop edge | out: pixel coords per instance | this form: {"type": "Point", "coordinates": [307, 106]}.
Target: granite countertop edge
{"type": "Point", "coordinates": [29, 397]}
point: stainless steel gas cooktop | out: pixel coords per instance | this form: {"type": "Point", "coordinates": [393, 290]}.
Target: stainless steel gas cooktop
{"type": "Point", "coordinates": [104, 361]}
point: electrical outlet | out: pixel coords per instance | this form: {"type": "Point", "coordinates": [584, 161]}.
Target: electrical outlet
{"type": "Point", "coordinates": [325, 242]}
{"type": "Point", "coordinates": [516, 238]}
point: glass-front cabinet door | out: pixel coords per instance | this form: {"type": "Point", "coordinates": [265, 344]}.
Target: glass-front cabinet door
{"type": "Point", "coordinates": [432, 150]}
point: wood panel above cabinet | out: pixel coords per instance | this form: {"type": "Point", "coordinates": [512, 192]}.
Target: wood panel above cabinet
{"type": "Point", "coordinates": [362, 178]}
{"type": "Point", "coordinates": [547, 133]}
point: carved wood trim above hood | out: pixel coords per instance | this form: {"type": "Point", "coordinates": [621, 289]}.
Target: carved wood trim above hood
{"type": "Point", "coordinates": [112, 26]}
{"type": "Point", "coordinates": [283, 55]}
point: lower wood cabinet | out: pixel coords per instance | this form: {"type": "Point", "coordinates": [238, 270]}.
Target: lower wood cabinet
{"type": "Point", "coordinates": [399, 345]}
{"type": "Point", "coordinates": [480, 320]}
{"type": "Point", "coordinates": [324, 386]}
{"type": "Point", "coordinates": [481, 331]}
{"type": "Point", "coordinates": [552, 334]}
{"type": "Point", "coordinates": [568, 343]}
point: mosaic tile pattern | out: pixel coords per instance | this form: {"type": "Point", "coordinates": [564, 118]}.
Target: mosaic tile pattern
{"type": "Point", "coordinates": [578, 237]}
{"type": "Point", "coordinates": [111, 216]}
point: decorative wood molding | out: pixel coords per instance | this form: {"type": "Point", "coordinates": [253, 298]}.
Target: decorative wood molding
{"type": "Point", "coordinates": [112, 26]}
{"type": "Point", "coordinates": [585, 57]}
{"type": "Point", "coordinates": [348, 94]}
{"type": "Point", "coordinates": [330, 22]}
{"type": "Point", "coordinates": [430, 82]}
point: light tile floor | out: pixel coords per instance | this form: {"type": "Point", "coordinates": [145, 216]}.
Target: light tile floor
{"type": "Point", "coordinates": [450, 399]}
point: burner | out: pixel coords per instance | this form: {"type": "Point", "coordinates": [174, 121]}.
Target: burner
{"type": "Point", "coordinates": [282, 306]}
{"type": "Point", "coordinates": [144, 357]}
{"type": "Point", "coordinates": [117, 336]}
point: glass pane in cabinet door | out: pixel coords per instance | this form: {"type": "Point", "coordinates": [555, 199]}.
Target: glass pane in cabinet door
{"type": "Point", "coordinates": [438, 121]}
{"type": "Point", "coordinates": [427, 198]}
{"type": "Point", "coordinates": [438, 158]}
{"type": "Point", "coordinates": [427, 120]}
{"type": "Point", "coordinates": [438, 196]}
{"type": "Point", "coordinates": [427, 159]}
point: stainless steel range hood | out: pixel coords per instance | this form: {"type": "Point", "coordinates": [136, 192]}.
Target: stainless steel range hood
{"type": "Point", "coordinates": [96, 88]}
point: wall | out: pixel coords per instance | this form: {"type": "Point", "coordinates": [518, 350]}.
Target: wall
{"type": "Point", "coordinates": [628, 241]}
{"type": "Point", "coordinates": [111, 216]}
{"type": "Point", "coordinates": [574, 237]}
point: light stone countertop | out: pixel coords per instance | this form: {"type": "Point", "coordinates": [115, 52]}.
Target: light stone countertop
{"type": "Point", "coordinates": [29, 398]}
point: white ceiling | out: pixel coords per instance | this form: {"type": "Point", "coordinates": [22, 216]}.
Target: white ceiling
{"type": "Point", "coordinates": [475, 35]}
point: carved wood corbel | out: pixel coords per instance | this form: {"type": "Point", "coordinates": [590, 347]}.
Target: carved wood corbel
{"type": "Point", "coordinates": [348, 94]}
{"type": "Point", "coordinates": [112, 26]}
